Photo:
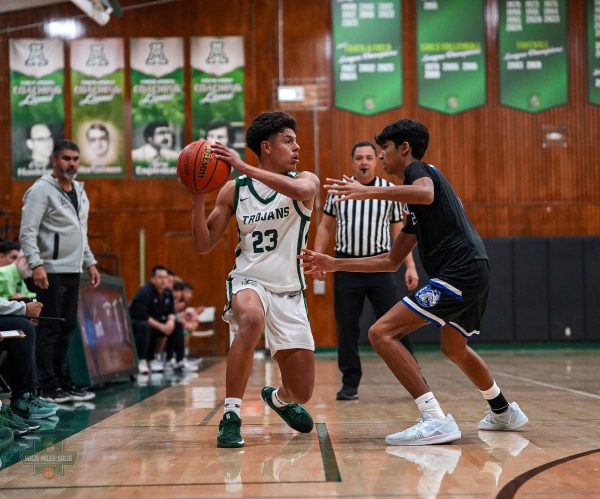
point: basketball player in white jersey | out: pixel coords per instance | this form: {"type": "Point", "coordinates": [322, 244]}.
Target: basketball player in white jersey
{"type": "Point", "coordinates": [272, 205]}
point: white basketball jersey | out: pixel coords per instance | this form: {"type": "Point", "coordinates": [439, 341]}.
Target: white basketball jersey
{"type": "Point", "coordinates": [272, 228]}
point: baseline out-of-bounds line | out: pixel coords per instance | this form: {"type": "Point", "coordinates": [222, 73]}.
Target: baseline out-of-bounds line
{"type": "Point", "coordinates": [549, 385]}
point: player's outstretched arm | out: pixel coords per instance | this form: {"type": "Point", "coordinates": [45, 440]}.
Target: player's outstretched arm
{"type": "Point", "coordinates": [420, 192]}
{"type": "Point", "coordinates": [314, 262]}
{"type": "Point", "coordinates": [206, 232]}
{"type": "Point", "coordinates": [325, 231]}
{"type": "Point", "coordinates": [411, 277]}
{"type": "Point", "coordinates": [303, 188]}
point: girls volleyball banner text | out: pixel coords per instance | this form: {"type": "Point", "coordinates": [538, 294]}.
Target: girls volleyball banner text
{"type": "Point", "coordinates": [37, 103]}
{"type": "Point", "coordinates": [533, 54]}
{"type": "Point", "coordinates": [367, 55]}
{"type": "Point", "coordinates": [157, 105]}
{"type": "Point", "coordinates": [451, 55]}
{"type": "Point", "coordinates": [97, 83]}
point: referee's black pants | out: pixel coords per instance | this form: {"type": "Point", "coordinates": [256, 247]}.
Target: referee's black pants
{"type": "Point", "coordinates": [350, 290]}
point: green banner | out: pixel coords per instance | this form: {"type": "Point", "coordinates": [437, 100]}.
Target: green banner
{"type": "Point", "coordinates": [451, 55]}
{"type": "Point", "coordinates": [157, 105]}
{"type": "Point", "coordinates": [37, 104]}
{"type": "Point", "coordinates": [218, 90]}
{"type": "Point", "coordinates": [367, 55]}
{"type": "Point", "coordinates": [593, 24]}
{"type": "Point", "coordinates": [533, 54]}
{"type": "Point", "coordinates": [97, 112]}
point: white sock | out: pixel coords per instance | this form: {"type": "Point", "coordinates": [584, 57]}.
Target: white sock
{"type": "Point", "coordinates": [428, 404]}
{"type": "Point", "coordinates": [233, 404]}
{"type": "Point", "coordinates": [277, 402]}
{"type": "Point", "coordinates": [491, 393]}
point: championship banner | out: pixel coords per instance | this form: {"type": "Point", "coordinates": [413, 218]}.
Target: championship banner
{"type": "Point", "coordinates": [218, 90]}
{"type": "Point", "coordinates": [367, 55]}
{"type": "Point", "coordinates": [533, 54]}
{"type": "Point", "coordinates": [593, 23]}
{"type": "Point", "coordinates": [37, 104]}
{"type": "Point", "coordinates": [97, 85]}
{"type": "Point", "coordinates": [451, 55]}
{"type": "Point", "coordinates": [157, 102]}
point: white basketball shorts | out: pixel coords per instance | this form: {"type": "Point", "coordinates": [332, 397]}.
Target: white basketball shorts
{"type": "Point", "coordinates": [286, 316]}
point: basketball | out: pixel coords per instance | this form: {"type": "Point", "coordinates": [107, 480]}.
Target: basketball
{"type": "Point", "coordinates": [199, 170]}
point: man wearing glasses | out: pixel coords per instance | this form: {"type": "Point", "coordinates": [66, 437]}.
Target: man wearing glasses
{"type": "Point", "coordinates": [40, 143]}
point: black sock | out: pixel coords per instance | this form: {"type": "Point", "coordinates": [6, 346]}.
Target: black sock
{"type": "Point", "coordinates": [498, 404]}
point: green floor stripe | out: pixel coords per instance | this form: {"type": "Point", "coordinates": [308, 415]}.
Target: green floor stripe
{"type": "Point", "coordinates": [75, 417]}
{"type": "Point", "coordinates": [332, 472]}
{"type": "Point", "coordinates": [211, 414]}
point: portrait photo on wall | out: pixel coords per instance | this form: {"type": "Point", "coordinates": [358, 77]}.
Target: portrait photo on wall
{"type": "Point", "coordinates": [100, 148]}
{"type": "Point", "coordinates": [157, 145]}
{"type": "Point", "coordinates": [32, 149]}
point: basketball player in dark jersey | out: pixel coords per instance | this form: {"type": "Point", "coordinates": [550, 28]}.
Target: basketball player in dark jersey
{"type": "Point", "coordinates": [454, 299]}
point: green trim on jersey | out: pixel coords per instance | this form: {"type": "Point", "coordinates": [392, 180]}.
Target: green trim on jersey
{"type": "Point", "coordinates": [257, 196]}
{"type": "Point", "coordinates": [239, 182]}
{"type": "Point", "coordinates": [299, 211]}
{"type": "Point", "coordinates": [236, 196]}
{"type": "Point", "coordinates": [301, 242]}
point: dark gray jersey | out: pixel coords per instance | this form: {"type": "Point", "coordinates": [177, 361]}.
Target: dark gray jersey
{"type": "Point", "coordinates": [447, 239]}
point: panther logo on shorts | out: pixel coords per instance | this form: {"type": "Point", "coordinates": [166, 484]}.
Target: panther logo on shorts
{"type": "Point", "coordinates": [428, 296]}
{"type": "Point", "coordinates": [251, 282]}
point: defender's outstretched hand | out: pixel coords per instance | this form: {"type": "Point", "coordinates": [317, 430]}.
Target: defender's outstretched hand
{"type": "Point", "coordinates": [316, 263]}
{"type": "Point", "coordinates": [347, 188]}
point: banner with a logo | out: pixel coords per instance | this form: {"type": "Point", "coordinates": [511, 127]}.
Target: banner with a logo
{"type": "Point", "coordinates": [451, 55]}
{"type": "Point", "coordinates": [367, 55]}
{"type": "Point", "coordinates": [157, 105]}
{"type": "Point", "coordinates": [218, 90]}
{"type": "Point", "coordinates": [533, 54]}
{"type": "Point", "coordinates": [36, 102]}
{"type": "Point", "coordinates": [593, 29]}
{"type": "Point", "coordinates": [97, 113]}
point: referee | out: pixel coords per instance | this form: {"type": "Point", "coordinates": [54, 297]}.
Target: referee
{"type": "Point", "coordinates": [362, 228]}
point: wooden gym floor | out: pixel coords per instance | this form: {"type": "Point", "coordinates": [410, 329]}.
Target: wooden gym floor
{"type": "Point", "coordinates": [164, 445]}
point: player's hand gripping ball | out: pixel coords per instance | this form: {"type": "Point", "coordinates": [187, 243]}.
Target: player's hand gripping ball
{"type": "Point", "coordinates": [199, 170]}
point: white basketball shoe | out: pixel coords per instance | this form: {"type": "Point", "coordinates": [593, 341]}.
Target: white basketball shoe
{"type": "Point", "coordinates": [427, 432]}
{"type": "Point", "coordinates": [511, 419]}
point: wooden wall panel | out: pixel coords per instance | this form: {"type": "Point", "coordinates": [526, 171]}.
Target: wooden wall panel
{"type": "Point", "coordinates": [509, 183]}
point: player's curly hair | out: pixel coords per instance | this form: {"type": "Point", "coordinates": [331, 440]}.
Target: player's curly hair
{"type": "Point", "coordinates": [265, 125]}
{"type": "Point", "coordinates": [405, 130]}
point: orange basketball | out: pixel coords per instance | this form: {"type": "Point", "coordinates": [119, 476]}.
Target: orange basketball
{"type": "Point", "coordinates": [199, 170]}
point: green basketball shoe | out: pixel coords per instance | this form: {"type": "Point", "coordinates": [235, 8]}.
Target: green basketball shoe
{"type": "Point", "coordinates": [229, 431]}
{"type": "Point", "coordinates": [295, 415]}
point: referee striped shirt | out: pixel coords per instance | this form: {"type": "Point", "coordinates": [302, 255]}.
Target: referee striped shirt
{"type": "Point", "coordinates": [363, 226]}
